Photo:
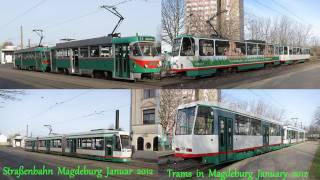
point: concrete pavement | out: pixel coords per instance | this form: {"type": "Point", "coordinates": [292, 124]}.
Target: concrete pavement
{"type": "Point", "coordinates": [297, 158]}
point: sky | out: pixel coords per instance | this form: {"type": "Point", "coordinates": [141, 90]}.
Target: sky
{"type": "Point", "coordinates": [304, 11]}
{"type": "Point", "coordinates": [76, 19]}
{"type": "Point", "coordinates": [299, 104]}
{"type": "Point", "coordinates": [68, 111]}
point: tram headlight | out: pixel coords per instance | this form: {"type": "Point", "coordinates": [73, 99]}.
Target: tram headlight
{"type": "Point", "coordinates": [189, 150]}
{"type": "Point", "coordinates": [146, 66]}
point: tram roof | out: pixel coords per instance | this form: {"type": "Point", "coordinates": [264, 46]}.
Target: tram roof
{"type": "Point", "coordinates": [224, 107]}
{"type": "Point", "coordinates": [132, 39]}
{"type": "Point", "coordinates": [105, 40]}
{"type": "Point", "coordinates": [33, 49]}
{"type": "Point", "coordinates": [97, 132]}
{"type": "Point", "coordinates": [289, 127]}
{"type": "Point", "coordinates": [87, 133]}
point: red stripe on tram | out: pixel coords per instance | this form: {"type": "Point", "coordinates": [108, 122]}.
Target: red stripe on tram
{"type": "Point", "coordinates": [218, 153]}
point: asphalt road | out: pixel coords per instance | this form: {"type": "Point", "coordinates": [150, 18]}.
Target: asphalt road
{"type": "Point", "coordinates": [298, 76]}
{"type": "Point", "coordinates": [14, 158]}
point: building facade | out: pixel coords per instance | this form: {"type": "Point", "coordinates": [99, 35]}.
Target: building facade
{"type": "Point", "coordinates": [3, 139]}
{"type": "Point", "coordinates": [6, 54]}
{"type": "Point", "coordinates": [146, 129]}
{"type": "Point", "coordinates": [226, 16]}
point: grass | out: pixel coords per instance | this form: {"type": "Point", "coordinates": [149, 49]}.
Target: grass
{"type": "Point", "coordinates": [315, 167]}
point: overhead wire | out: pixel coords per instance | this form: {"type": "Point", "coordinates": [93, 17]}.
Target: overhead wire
{"type": "Point", "coordinates": [23, 13]}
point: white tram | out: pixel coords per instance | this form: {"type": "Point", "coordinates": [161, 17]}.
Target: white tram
{"type": "Point", "coordinates": [215, 134]}
{"type": "Point", "coordinates": [293, 134]}
{"type": "Point", "coordinates": [195, 56]}
{"type": "Point", "coordinates": [109, 145]}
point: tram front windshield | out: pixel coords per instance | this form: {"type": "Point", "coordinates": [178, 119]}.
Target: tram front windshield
{"type": "Point", "coordinates": [145, 49]}
{"type": "Point", "coordinates": [185, 121]}
{"type": "Point", "coordinates": [176, 47]}
{"type": "Point", "coordinates": [125, 141]}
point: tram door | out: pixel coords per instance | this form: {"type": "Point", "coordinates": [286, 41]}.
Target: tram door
{"type": "Point", "coordinates": [122, 64]}
{"type": "Point", "coordinates": [265, 134]}
{"type": "Point", "coordinates": [109, 146]}
{"type": "Point", "coordinates": [73, 146]}
{"type": "Point", "coordinates": [225, 137]}
{"type": "Point", "coordinates": [33, 144]}
{"type": "Point", "coordinates": [47, 143]}
{"type": "Point", "coordinates": [74, 60]}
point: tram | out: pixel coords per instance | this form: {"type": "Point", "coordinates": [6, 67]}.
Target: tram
{"type": "Point", "coordinates": [215, 134]}
{"type": "Point", "coordinates": [106, 145]}
{"type": "Point", "coordinates": [35, 59]}
{"type": "Point", "coordinates": [127, 58]}
{"type": "Point", "coordinates": [194, 56]}
{"type": "Point", "coordinates": [293, 135]}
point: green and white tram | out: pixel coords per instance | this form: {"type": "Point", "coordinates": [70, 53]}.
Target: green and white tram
{"type": "Point", "coordinates": [106, 145]}
{"type": "Point", "coordinates": [35, 58]}
{"type": "Point", "coordinates": [216, 134]}
{"type": "Point", "coordinates": [194, 56]}
{"type": "Point", "coordinates": [101, 145]}
{"type": "Point", "coordinates": [126, 58]}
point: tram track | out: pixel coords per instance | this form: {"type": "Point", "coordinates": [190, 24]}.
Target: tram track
{"type": "Point", "coordinates": [38, 80]}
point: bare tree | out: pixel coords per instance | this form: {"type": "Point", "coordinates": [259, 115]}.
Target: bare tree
{"type": "Point", "coordinates": [173, 16]}
{"type": "Point", "coordinates": [283, 30]}
{"type": "Point", "coordinates": [258, 108]}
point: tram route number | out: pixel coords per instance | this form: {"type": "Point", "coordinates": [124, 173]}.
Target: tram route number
{"type": "Point", "coordinates": [145, 172]}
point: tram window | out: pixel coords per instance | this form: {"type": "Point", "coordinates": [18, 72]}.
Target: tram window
{"type": "Point", "coordinates": [274, 130]}
{"type": "Point", "coordinates": [94, 51]}
{"type": "Point", "coordinates": [290, 51]}
{"type": "Point", "coordinates": [149, 116]}
{"type": "Point", "coordinates": [240, 49]}
{"type": "Point", "coordinates": [84, 52]}
{"type": "Point", "coordinates": [42, 143]}
{"type": "Point", "coordinates": [106, 51]}
{"type": "Point", "coordinates": [255, 127]}
{"type": "Point", "coordinates": [242, 125]}
{"type": "Point", "coordinates": [185, 120]}
{"type": "Point", "coordinates": [252, 49]}
{"type": "Point", "coordinates": [86, 143]}
{"type": "Point", "coordinates": [176, 47]}
{"type": "Point", "coordinates": [148, 49]}
{"type": "Point", "coordinates": [125, 141]}
{"type": "Point", "coordinates": [270, 50]}
{"type": "Point", "coordinates": [56, 143]}
{"type": "Point", "coordinates": [117, 146]}
{"type": "Point", "coordinates": [204, 121]}
{"type": "Point", "coordinates": [136, 50]}
{"type": "Point", "coordinates": [222, 48]}
{"type": "Point", "coordinates": [188, 48]}
{"type": "Point", "coordinates": [97, 143]}
{"type": "Point", "coordinates": [261, 49]}
{"type": "Point", "coordinates": [206, 47]}
{"type": "Point", "coordinates": [285, 51]}
{"type": "Point", "coordinates": [277, 50]}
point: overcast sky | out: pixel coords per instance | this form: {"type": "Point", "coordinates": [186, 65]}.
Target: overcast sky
{"type": "Point", "coordinates": [76, 19]}
{"type": "Point", "coordinates": [66, 110]}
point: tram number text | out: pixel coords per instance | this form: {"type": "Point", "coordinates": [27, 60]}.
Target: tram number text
{"type": "Point", "coordinates": [145, 172]}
